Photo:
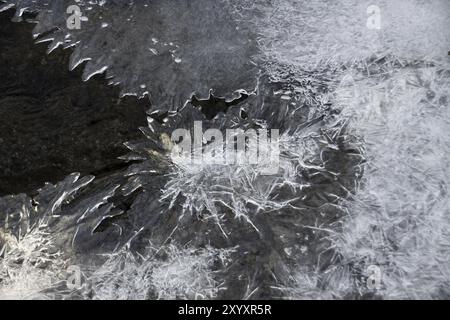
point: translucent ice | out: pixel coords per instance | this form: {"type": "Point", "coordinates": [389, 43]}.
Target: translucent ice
{"type": "Point", "coordinates": [175, 48]}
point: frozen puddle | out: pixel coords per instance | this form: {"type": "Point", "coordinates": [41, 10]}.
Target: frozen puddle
{"type": "Point", "coordinates": [360, 207]}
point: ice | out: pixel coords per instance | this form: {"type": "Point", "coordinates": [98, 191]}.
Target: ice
{"type": "Point", "coordinates": [212, 203]}
{"type": "Point", "coordinates": [399, 219]}
{"type": "Point", "coordinates": [315, 34]}
{"type": "Point", "coordinates": [32, 262]}
{"type": "Point", "coordinates": [187, 273]}
{"type": "Point", "coordinates": [175, 48]}
{"type": "Point", "coordinates": [392, 86]}
{"type": "Point", "coordinates": [363, 114]}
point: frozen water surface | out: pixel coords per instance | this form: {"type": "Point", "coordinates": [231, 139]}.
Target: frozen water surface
{"type": "Point", "coordinates": [365, 174]}
{"type": "Point", "coordinates": [170, 49]}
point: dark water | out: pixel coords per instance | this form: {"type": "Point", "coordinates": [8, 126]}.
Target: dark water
{"type": "Point", "coordinates": [53, 123]}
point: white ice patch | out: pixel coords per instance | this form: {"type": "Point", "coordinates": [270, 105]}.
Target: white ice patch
{"type": "Point", "coordinates": [400, 218]}
{"type": "Point", "coordinates": [185, 273]}
{"type": "Point", "coordinates": [311, 34]}
{"type": "Point", "coordinates": [206, 185]}
{"type": "Point", "coordinates": [30, 266]}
